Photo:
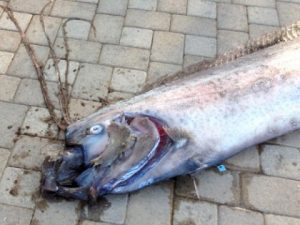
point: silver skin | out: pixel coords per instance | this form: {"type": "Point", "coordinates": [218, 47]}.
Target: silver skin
{"type": "Point", "coordinates": [211, 115]}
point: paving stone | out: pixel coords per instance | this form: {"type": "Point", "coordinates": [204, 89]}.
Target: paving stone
{"type": "Point", "coordinates": [80, 50]}
{"type": "Point", "coordinates": [229, 40]}
{"type": "Point", "coordinates": [281, 161]}
{"type": "Point", "coordinates": [237, 216]}
{"type": "Point", "coordinates": [158, 70]}
{"type": "Point", "coordinates": [92, 82]}
{"type": "Point", "coordinates": [136, 37]}
{"type": "Point", "coordinates": [255, 30]}
{"type": "Point", "coordinates": [11, 215]}
{"type": "Point", "coordinates": [22, 65]}
{"type": "Point", "coordinates": [192, 212]}
{"type": "Point", "coordinates": [271, 194]}
{"type": "Point", "coordinates": [281, 220]}
{"type": "Point", "coordinates": [56, 213]}
{"type": "Point", "coordinates": [178, 6]}
{"type": "Point", "coordinates": [116, 96]}
{"type": "Point", "coordinates": [128, 80]}
{"type": "Point", "coordinates": [108, 28]}
{"type": "Point", "coordinates": [291, 1]}
{"type": "Point", "coordinates": [167, 47]}
{"type": "Point", "coordinates": [22, 18]}
{"type": "Point", "coordinates": [8, 88]}
{"type": "Point", "coordinates": [201, 46]}
{"type": "Point", "coordinates": [148, 19]}
{"type": "Point", "coordinates": [247, 160]}
{"type": "Point", "coordinates": [265, 16]}
{"type": "Point", "coordinates": [4, 155]}
{"type": "Point", "coordinates": [5, 59]}
{"type": "Point", "coordinates": [159, 203]}
{"type": "Point", "coordinates": [125, 57]}
{"type": "Point", "coordinates": [143, 4]}
{"type": "Point", "coordinates": [18, 187]}
{"type": "Point", "coordinates": [226, 20]}
{"type": "Point", "coordinates": [292, 139]}
{"type": "Point", "coordinates": [192, 59]}
{"type": "Point", "coordinates": [113, 209]}
{"type": "Point", "coordinates": [288, 13]}
{"type": "Point", "coordinates": [88, 222]}
{"type": "Point", "coordinates": [30, 152]}
{"type": "Point", "coordinates": [81, 108]}
{"type": "Point", "coordinates": [35, 33]}
{"type": "Point", "coordinates": [194, 25]}
{"type": "Point", "coordinates": [262, 3]}
{"type": "Point", "coordinates": [31, 6]}
{"type": "Point", "coordinates": [10, 40]}
{"type": "Point", "coordinates": [50, 73]}
{"type": "Point", "coordinates": [2, 3]}
{"type": "Point", "coordinates": [77, 29]}
{"type": "Point", "coordinates": [73, 9]}
{"type": "Point", "coordinates": [11, 118]}
{"type": "Point", "coordinates": [202, 8]}
{"type": "Point", "coordinates": [29, 93]}
{"type": "Point", "coordinates": [114, 7]}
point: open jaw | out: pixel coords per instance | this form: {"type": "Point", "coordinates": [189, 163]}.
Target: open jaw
{"type": "Point", "coordinates": [114, 156]}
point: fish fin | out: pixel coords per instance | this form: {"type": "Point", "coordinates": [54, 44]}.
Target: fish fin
{"type": "Point", "coordinates": [179, 136]}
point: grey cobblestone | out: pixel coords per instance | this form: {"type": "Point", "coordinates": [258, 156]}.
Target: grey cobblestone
{"type": "Point", "coordinates": [80, 108]}
{"type": "Point", "coordinates": [115, 55]}
{"type": "Point", "coordinates": [167, 47]}
{"type": "Point", "coordinates": [143, 4]}
{"type": "Point", "coordinates": [280, 220]}
{"type": "Point", "coordinates": [158, 70]}
{"type": "Point", "coordinates": [262, 3]}
{"type": "Point", "coordinates": [9, 86]}
{"type": "Point", "coordinates": [201, 46]}
{"type": "Point", "coordinates": [10, 40]}
{"type": "Point", "coordinates": [11, 215]}
{"type": "Point", "coordinates": [292, 140]}
{"type": "Point", "coordinates": [265, 16]}
{"type": "Point", "coordinates": [228, 40]}
{"type": "Point", "coordinates": [77, 29]}
{"type": "Point", "coordinates": [116, 96]}
{"type": "Point", "coordinates": [136, 37]}
{"type": "Point", "coordinates": [114, 7]}
{"type": "Point", "coordinates": [271, 194]}
{"type": "Point", "coordinates": [5, 59]}
{"type": "Point", "coordinates": [194, 25]}
{"type": "Point", "coordinates": [202, 8]}
{"type": "Point", "coordinates": [256, 30]}
{"type": "Point", "coordinates": [31, 6]}
{"type": "Point", "coordinates": [88, 222]}
{"type": "Point", "coordinates": [178, 6]}
{"type": "Point", "coordinates": [192, 59]}
{"type": "Point", "coordinates": [148, 19]}
{"type": "Point", "coordinates": [4, 155]}
{"type": "Point", "coordinates": [288, 12]}
{"type": "Point", "coordinates": [22, 18]}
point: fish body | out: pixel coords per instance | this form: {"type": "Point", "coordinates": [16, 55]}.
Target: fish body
{"type": "Point", "coordinates": [187, 125]}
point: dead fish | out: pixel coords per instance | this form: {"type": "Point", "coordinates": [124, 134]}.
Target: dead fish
{"type": "Point", "coordinates": [180, 128]}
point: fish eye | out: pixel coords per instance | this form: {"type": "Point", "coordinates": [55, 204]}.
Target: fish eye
{"type": "Point", "coordinates": [97, 129]}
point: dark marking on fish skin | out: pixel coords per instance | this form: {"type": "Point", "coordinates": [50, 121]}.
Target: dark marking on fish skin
{"type": "Point", "coordinates": [262, 84]}
{"type": "Point", "coordinates": [294, 123]}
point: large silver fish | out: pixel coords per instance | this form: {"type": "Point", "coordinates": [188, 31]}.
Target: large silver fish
{"type": "Point", "coordinates": [180, 128]}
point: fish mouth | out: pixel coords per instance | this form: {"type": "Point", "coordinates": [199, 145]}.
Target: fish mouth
{"type": "Point", "coordinates": [135, 144]}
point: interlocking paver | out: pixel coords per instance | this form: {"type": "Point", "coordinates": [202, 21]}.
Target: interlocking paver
{"type": "Point", "coordinates": [77, 29]}
{"type": "Point", "coordinates": [56, 213]}
{"type": "Point", "coordinates": [203, 8]}
{"type": "Point", "coordinates": [201, 46]}
{"type": "Point", "coordinates": [158, 70]}
{"type": "Point", "coordinates": [228, 40]}
{"type": "Point", "coordinates": [122, 56]}
{"type": "Point", "coordinates": [108, 28]}
{"type": "Point", "coordinates": [67, 9]}
{"type": "Point", "coordinates": [280, 220]}
{"type": "Point", "coordinates": [281, 161]}
{"type": "Point", "coordinates": [116, 96]}
{"type": "Point", "coordinates": [245, 160]}
{"type": "Point", "coordinates": [5, 59]}
{"type": "Point", "coordinates": [255, 30]}
{"type": "Point", "coordinates": [80, 108]}
{"type": "Point", "coordinates": [178, 6]}
{"type": "Point", "coordinates": [11, 118]}
{"type": "Point", "coordinates": [38, 123]}
{"type": "Point", "coordinates": [265, 16]}
{"type": "Point", "coordinates": [30, 152]}
{"type": "Point", "coordinates": [148, 19]}
{"type": "Point", "coordinates": [35, 32]}
{"type": "Point", "coordinates": [4, 155]}
{"type": "Point", "coordinates": [160, 206]}
{"type": "Point", "coordinates": [31, 6]}
{"type": "Point", "coordinates": [292, 140]}
{"type": "Point", "coordinates": [79, 50]}
{"type": "Point", "coordinates": [88, 222]}
{"type": "Point", "coordinates": [8, 88]}
{"type": "Point", "coordinates": [22, 66]}
{"type": "Point", "coordinates": [22, 18]}
{"type": "Point", "coordinates": [18, 187]}
{"type": "Point", "coordinates": [262, 3]}
{"type": "Point", "coordinates": [136, 37]}
{"type": "Point", "coordinates": [167, 47]}
{"type": "Point", "coordinates": [288, 13]}
{"type": "Point", "coordinates": [143, 4]}
{"type": "Point", "coordinates": [192, 59]}
{"type": "Point", "coordinates": [128, 80]}
{"type": "Point", "coordinates": [237, 216]}
{"type": "Point", "coordinates": [194, 25]}
{"type": "Point", "coordinates": [226, 20]}
{"type": "Point", "coordinates": [92, 82]}
{"type": "Point", "coordinates": [114, 7]}
{"type": "Point", "coordinates": [271, 194]}
{"type": "Point", "coordinates": [11, 215]}
{"type": "Point", "coordinates": [192, 212]}
{"type": "Point", "coordinates": [10, 40]}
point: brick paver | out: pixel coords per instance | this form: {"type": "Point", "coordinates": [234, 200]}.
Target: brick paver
{"type": "Point", "coordinates": [135, 42]}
